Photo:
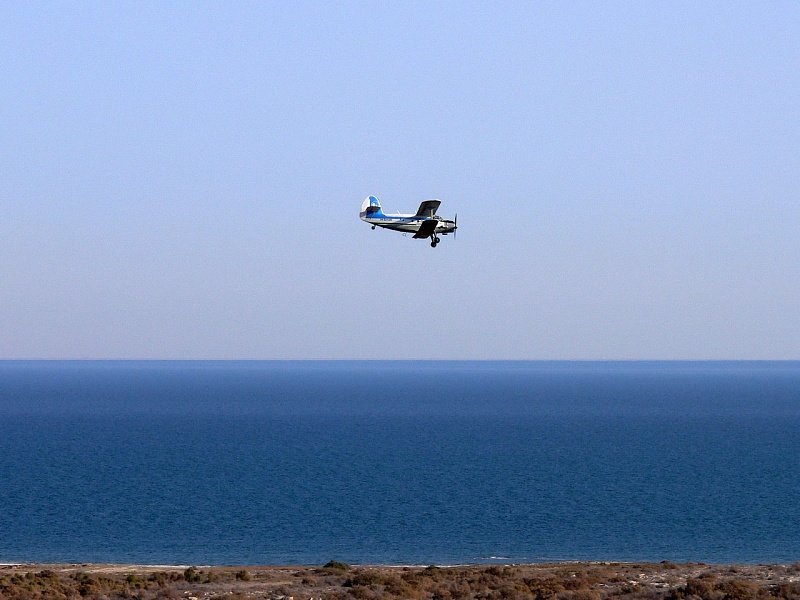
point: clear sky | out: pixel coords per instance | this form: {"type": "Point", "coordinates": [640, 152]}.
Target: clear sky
{"type": "Point", "coordinates": [182, 180]}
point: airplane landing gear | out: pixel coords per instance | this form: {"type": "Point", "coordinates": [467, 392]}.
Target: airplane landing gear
{"type": "Point", "coordinates": [434, 241]}
{"type": "Point", "coordinates": [373, 226]}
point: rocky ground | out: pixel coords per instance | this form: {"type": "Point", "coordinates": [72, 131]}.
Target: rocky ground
{"type": "Point", "coordinates": [339, 581]}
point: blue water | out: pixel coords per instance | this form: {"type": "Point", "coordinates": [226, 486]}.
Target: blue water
{"type": "Point", "coordinates": [399, 462]}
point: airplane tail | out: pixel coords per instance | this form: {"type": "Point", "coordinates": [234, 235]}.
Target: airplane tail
{"type": "Point", "coordinates": [370, 207]}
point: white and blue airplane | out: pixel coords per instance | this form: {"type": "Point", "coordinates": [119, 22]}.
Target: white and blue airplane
{"type": "Point", "coordinates": [425, 224]}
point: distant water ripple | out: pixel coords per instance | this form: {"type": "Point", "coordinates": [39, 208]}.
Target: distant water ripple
{"type": "Point", "coordinates": [398, 462]}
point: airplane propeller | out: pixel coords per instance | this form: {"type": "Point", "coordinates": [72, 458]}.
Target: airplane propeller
{"type": "Point", "coordinates": [455, 226]}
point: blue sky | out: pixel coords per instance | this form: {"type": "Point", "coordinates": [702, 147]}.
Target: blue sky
{"type": "Point", "coordinates": [182, 180]}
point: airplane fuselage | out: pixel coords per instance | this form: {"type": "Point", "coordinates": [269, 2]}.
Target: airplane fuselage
{"type": "Point", "coordinates": [409, 223]}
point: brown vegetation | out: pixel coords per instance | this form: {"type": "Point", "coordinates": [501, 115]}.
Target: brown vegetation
{"type": "Point", "coordinates": [340, 581]}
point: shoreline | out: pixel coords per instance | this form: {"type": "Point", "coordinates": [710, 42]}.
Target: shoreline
{"type": "Point", "coordinates": [586, 580]}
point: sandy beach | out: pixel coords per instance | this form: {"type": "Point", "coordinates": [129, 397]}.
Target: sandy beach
{"type": "Point", "coordinates": [339, 581]}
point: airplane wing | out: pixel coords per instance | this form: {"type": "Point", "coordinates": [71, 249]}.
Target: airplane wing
{"type": "Point", "coordinates": [426, 228]}
{"type": "Point", "coordinates": [428, 208]}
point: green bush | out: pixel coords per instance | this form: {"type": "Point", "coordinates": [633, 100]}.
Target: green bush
{"type": "Point", "coordinates": [335, 565]}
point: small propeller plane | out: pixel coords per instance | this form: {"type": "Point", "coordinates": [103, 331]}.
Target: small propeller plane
{"type": "Point", "coordinates": [425, 224]}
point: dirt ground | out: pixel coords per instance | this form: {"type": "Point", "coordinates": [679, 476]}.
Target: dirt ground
{"type": "Point", "coordinates": [339, 581]}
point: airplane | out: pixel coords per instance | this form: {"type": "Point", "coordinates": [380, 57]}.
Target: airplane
{"type": "Point", "coordinates": [425, 224]}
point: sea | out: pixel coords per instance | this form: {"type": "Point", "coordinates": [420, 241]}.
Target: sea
{"type": "Point", "coordinates": [399, 463]}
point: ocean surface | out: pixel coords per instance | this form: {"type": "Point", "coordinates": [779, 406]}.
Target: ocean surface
{"type": "Point", "coordinates": [399, 462]}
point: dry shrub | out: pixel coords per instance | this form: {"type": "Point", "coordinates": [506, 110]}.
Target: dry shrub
{"type": "Point", "coordinates": [368, 578]}
{"type": "Point", "coordinates": [575, 581]}
{"type": "Point", "coordinates": [585, 595]}
{"type": "Point", "coordinates": [698, 587]}
{"type": "Point", "coordinates": [459, 589]}
{"type": "Point", "coordinates": [601, 573]}
{"type": "Point", "coordinates": [579, 595]}
{"type": "Point", "coordinates": [788, 591]}
{"type": "Point", "coordinates": [441, 592]}
{"type": "Point", "coordinates": [212, 577]}
{"type": "Point", "coordinates": [361, 592]}
{"type": "Point", "coordinates": [543, 589]}
{"type": "Point", "coordinates": [415, 579]}
{"type": "Point", "coordinates": [403, 590]}
{"type": "Point", "coordinates": [736, 589]}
